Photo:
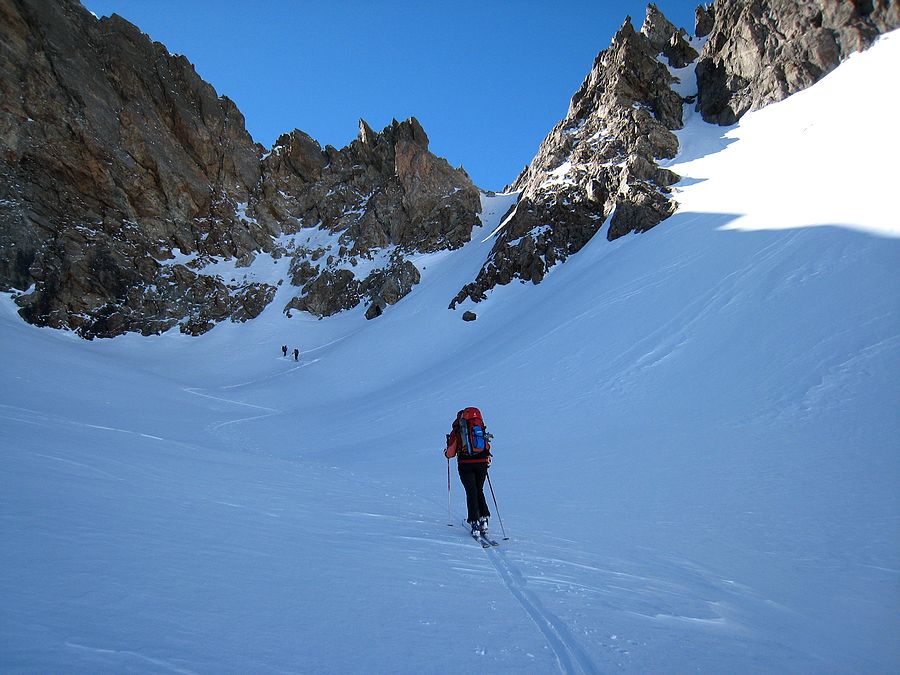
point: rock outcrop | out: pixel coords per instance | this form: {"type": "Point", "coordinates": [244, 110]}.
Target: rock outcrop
{"type": "Point", "coordinates": [114, 153]}
{"type": "Point", "coordinates": [379, 199]}
{"type": "Point", "coordinates": [762, 51]}
{"type": "Point", "coordinates": [664, 38]}
{"type": "Point", "coordinates": [600, 160]}
{"type": "Point", "coordinates": [124, 176]}
{"type": "Point", "coordinates": [704, 18]}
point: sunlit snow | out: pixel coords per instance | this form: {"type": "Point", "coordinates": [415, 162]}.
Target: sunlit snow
{"type": "Point", "coordinates": [696, 448]}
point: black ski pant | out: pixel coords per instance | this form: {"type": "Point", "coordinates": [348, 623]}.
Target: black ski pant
{"type": "Point", "coordinates": [473, 476]}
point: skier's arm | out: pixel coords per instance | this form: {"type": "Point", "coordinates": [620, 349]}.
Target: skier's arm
{"type": "Point", "coordinates": [452, 445]}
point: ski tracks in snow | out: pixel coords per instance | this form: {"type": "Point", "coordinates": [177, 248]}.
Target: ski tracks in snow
{"type": "Point", "coordinates": [266, 411]}
{"type": "Point", "coordinates": [141, 659]}
{"type": "Point", "coordinates": [570, 656]}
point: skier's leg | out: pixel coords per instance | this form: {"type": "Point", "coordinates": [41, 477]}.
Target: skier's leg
{"type": "Point", "coordinates": [482, 502]}
{"type": "Point", "coordinates": [469, 479]}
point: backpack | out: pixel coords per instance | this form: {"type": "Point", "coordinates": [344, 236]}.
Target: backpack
{"type": "Point", "coordinates": [473, 433]}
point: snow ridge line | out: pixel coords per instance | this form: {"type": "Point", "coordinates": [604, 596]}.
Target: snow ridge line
{"type": "Point", "coordinates": [571, 658]}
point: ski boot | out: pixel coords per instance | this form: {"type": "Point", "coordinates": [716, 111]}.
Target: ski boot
{"type": "Point", "coordinates": [483, 525]}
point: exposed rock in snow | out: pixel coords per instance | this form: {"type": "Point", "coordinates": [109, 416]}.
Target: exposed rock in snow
{"type": "Point", "coordinates": [668, 40]}
{"type": "Point", "coordinates": [704, 18]}
{"type": "Point", "coordinates": [384, 190]}
{"type": "Point", "coordinates": [129, 156]}
{"type": "Point", "coordinates": [115, 154]}
{"type": "Point", "coordinates": [763, 51]}
{"type": "Point", "coordinates": [601, 159]}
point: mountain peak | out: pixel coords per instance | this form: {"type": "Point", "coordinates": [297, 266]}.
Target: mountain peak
{"type": "Point", "coordinates": [366, 136]}
{"type": "Point", "coordinates": [600, 160]}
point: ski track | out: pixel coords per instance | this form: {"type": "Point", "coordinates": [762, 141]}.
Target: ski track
{"type": "Point", "coordinates": [273, 376]}
{"type": "Point", "coordinates": [269, 412]}
{"type": "Point", "coordinates": [196, 392]}
{"type": "Point", "coordinates": [159, 663]}
{"type": "Point", "coordinates": [71, 462]}
{"type": "Point", "coordinates": [570, 656]}
{"type": "Point", "coordinates": [37, 418]}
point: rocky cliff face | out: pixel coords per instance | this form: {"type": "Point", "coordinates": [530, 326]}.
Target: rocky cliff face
{"type": "Point", "coordinates": [600, 160]}
{"type": "Point", "coordinates": [114, 153]}
{"type": "Point", "coordinates": [762, 51]}
{"type": "Point", "coordinates": [123, 175]}
{"type": "Point", "coordinates": [382, 197]}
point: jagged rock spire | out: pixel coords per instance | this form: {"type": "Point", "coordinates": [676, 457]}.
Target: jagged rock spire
{"type": "Point", "coordinates": [600, 160]}
{"type": "Point", "coordinates": [366, 136]}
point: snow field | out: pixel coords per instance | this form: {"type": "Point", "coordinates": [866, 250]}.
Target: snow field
{"type": "Point", "coordinates": [695, 454]}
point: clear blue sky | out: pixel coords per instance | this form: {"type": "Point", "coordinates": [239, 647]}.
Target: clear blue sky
{"type": "Point", "coordinates": [487, 80]}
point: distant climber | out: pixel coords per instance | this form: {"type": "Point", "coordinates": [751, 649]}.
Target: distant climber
{"type": "Point", "coordinates": [296, 354]}
{"type": "Point", "coordinates": [284, 350]}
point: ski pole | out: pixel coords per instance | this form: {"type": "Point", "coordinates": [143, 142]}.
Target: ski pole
{"type": "Point", "coordinates": [449, 516]}
{"type": "Point", "coordinates": [497, 508]}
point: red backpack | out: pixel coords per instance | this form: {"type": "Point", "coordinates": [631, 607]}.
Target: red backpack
{"type": "Point", "coordinates": [473, 434]}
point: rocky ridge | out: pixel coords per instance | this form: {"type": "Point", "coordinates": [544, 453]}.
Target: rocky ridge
{"type": "Point", "coordinates": [381, 198]}
{"type": "Point", "coordinates": [601, 159]}
{"type": "Point", "coordinates": [125, 179]}
{"type": "Point", "coordinates": [114, 153]}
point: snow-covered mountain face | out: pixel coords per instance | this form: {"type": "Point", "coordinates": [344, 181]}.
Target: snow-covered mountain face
{"type": "Point", "coordinates": [134, 200]}
{"type": "Point", "coordinates": [605, 159]}
{"type": "Point", "coordinates": [696, 455]}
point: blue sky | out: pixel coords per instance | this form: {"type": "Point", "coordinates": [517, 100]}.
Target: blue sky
{"type": "Point", "coordinates": [487, 80]}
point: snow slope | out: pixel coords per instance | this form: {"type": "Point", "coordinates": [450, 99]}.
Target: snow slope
{"type": "Point", "coordinates": [696, 449]}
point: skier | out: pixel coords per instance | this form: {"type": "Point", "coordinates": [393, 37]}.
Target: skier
{"type": "Point", "coordinates": [296, 355]}
{"type": "Point", "coordinates": [473, 457]}
{"type": "Point", "coordinates": [284, 350]}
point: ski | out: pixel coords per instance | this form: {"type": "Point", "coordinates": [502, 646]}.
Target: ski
{"type": "Point", "coordinates": [490, 542]}
{"type": "Point", "coordinates": [483, 539]}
